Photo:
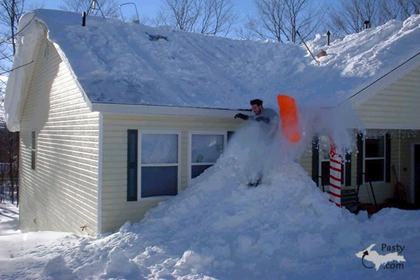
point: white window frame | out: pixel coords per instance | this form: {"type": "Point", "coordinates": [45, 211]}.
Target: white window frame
{"type": "Point", "coordinates": [140, 164]}
{"type": "Point", "coordinates": [374, 158]}
{"type": "Point", "coordinates": [198, 132]}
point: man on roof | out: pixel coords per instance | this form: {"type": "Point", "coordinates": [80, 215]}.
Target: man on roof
{"type": "Point", "coordinates": [267, 120]}
{"type": "Point", "coordinates": [261, 114]}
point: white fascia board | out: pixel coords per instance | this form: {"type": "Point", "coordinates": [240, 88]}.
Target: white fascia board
{"type": "Point", "coordinates": [152, 110]}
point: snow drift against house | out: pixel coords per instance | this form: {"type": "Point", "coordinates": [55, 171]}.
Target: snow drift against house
{"type": "Point", "coordinates": [218, 228]}
{"type": "Point", "coordinates": [117, 62]}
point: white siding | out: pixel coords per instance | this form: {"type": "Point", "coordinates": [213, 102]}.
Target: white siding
{"type": "Point", "coordinates": [306, 160]}
{"type": "Point", "coordinates": [61, 193]}
{"type": "Point", "coordinates": [396, 106]}
{"type": "Point", "coordinates": [115, 207]}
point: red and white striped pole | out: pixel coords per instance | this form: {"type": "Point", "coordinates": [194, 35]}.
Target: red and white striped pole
{"type": "Point", "coordinates": [335, 176]}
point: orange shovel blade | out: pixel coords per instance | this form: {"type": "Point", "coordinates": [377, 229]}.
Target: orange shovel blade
{"type": "Point", "coordinates": [289, 118]}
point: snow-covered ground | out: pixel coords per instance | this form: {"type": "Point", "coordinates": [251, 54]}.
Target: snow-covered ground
{"type": "Point", "coordinates": [220, 228]}
{"type": "Point", "coordinates": [9, 219]}
{"type": "Point", "coordinates": [15, 243]}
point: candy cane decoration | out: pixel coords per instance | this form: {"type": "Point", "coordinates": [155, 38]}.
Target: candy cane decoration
{"type": "Point", "coordinates": [335, 176]}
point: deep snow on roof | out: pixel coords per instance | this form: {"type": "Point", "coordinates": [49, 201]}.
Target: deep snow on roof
{"type": "Point", "coordinates": [116, 62]}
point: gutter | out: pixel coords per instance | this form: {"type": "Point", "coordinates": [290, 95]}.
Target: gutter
{"type": "Point", "coordinates": [162, 110]}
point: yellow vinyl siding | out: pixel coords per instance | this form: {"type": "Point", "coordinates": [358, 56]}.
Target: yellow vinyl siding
{"type": "Point", "coordinates": [401, 158]}
{"type": "Point", "coordinates": [306, 160]}
{"type": "Point", "coordinates": [396, 106]}
{"type": "Point", "coordinates": [115, 207]}
{"type": "Point", "coordinates": [61, 193]}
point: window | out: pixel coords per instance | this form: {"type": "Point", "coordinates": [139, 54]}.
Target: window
{"type": "Point", "coordinates": [205, 150]}
{"type": "Point", "coordinates": [374, 162]}
{"type": "Point", "coordinates": [33, 150]}
{"type": "Point", "coordinates": [159, 164]}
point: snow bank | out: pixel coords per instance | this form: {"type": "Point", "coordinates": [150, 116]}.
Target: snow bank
{"type": "Point", "coordinates": [219, 228]}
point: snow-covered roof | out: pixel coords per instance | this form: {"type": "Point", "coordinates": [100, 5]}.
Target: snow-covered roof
{"type": "Point", "coordinates": [120, 63]}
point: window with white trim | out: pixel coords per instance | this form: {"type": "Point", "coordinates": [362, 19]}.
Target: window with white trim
{"type": "Point", "coordinates": [159, 164]}
{"type": "Point", "coordinates": [205, 150]}
{"type": "Point", "coordinates": [374, 159]}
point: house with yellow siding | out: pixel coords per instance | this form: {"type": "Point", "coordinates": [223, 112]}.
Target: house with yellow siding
{"type": "Point", "coordinates": [108, 130]}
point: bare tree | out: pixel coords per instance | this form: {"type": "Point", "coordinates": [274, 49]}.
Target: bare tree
{"type": "Point", "coordinates": [301, 18]}
{"type": "Point", "coordinates": [217, 17]}
{"type": "Point", "coordinates": [283, 20]}
{"type": "Point", "coordinates": [203, 16]}
{"type": "Point", "coordinates": [271, 17]}
{"type": "Point", "coordinates": [183, 14]}
{"type": "Point", "coordinates": [408, 7]}
{"type": "Point", "coordinates": [10, 13]}
{"type": "Point", "coordinates": [110, 8]}
{"type": "Point", "coordinates": [350, 15]}
{"type": "Point", "coordinates": [9, 151]}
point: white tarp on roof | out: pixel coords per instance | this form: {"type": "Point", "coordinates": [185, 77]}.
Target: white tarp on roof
{"type": "Point", "coordinates": [117, 63]}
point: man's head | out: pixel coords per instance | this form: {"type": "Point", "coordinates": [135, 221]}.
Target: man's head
{"type": "Point", "coordinates": [256, 106]}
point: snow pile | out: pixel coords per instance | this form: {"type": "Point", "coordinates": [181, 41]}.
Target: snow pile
{"type": "Point", "coordinates": [221, 229]}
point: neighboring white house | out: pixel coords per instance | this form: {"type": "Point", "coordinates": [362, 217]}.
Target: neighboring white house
{"type": "Point", "coordinates": [115, 117]}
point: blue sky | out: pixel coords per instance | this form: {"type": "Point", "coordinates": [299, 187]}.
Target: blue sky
{"type": "Point", "coordinates": [147, 8]}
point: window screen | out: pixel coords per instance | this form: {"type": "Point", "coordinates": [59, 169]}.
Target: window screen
{"type": "Point", "coordinates": [205, 150]}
